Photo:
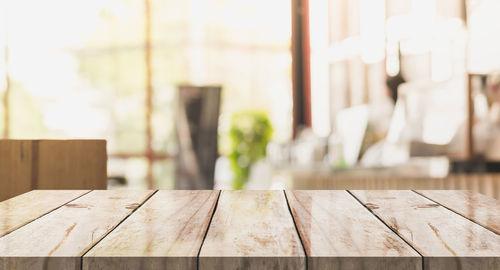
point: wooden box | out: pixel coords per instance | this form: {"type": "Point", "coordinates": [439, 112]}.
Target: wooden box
{"type": "Point", "coordinates": [51, 164]}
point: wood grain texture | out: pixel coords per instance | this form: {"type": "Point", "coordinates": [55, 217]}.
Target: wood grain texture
{"type": "Point", "coordinates": [477, 207]}
{"type": "Point", "coordinates": [59, 239]}
{"type": "Point", "coordinates": [167, 231]}
{"type": "Point", "coordinates": [15, 168]}
{"type": "Point", "coordinates": [340, 233]}
{"type": "Point", "coordinates": [22, 209]}
{"type": "Point", "coordinates": [445, 239]}
{"type": "Point", "coordinates": [71, 164]}
{"type": "Point", "coordinates": [252, 230]}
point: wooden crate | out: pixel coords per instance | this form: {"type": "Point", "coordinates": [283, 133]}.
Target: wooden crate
{"type": "Point", "coordinates": [51, 164]}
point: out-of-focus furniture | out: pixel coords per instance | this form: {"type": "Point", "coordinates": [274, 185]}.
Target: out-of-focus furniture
{"type": "Point", "coordinates": [488, 184]}
{"type": "Point", "coordinates": [197, 122]}
{"type": "Point", "coordinates": [51, 164]}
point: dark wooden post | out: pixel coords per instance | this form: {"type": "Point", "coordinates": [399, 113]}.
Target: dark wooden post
{"type": "Point", "coordinates": [301, 64]}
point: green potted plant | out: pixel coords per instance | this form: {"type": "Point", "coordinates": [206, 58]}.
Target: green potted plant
{"type": "Point", "coordinates": [249, 134]}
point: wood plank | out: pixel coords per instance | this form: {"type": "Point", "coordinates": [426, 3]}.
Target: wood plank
{"type": "Point", "coordinates": [167, 230]}
{"type": "Point", "coordinates": [252, 230]}
{"type": "Point", "coordinates": [20, 210]}
{"type": "Point", "coordinates": [59, 239]}
{"type": "Point", "coordinates": [445, 239]}
{"type": "Point", "coordinates": [477, 207]}
{"type": "Point", "coordinates": [15, 168]}
{"type": "Point", "coordinates": [71, 164]}
{"type": "Point", "coordinates": [340, 233]}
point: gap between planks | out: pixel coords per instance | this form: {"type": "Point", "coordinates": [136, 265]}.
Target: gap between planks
{"type": "Point", "coordinates": [297, 229]}
{"type": "Point", "coordinates": [206, 232]}
{"type": "Point", "coordinates": [116, 226]}
{"type": "Point", "coordinates": [44, 214]}
{"type": "Point", "coordinates": [450, 209]}
{"type": "Point", "coordinates": [387, 225]}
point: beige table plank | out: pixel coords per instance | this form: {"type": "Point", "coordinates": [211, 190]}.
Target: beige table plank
{"type": "Point", "coordinates": [252, 230]}
{"type": "Point", "coordinates": [480, 208]}
{"type": "Point", "coordinates": [20, 210]}
{"type": "Point", "coordinates": [445, 239]}
{"type": "Point", "coordinates": [59, 239]}
{"type": "Point", "coordinates": [340, 233]}
{"type": "Point", "coordinates": [166, 231]}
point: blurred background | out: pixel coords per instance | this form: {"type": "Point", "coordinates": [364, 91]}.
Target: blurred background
{"type": "Point", "coordinates": [261, 94]}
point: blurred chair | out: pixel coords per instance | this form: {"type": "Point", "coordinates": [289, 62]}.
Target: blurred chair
{"type": "Point", "coordinates": [197, 122]}
{"type": "Point", "coordinates": [51, 164]}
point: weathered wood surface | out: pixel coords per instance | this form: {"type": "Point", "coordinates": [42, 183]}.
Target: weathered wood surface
{"type": "Point", "coordinates": [481, 209]}
{"type": "Point", "coordinates": [339, 233]}
{"type": "Point", "coordinates": [167, 231]}
{"type": "Point", "coordinates": [252, 230]}
{"type": "Point", "coordinates": [59, 239]}
{"type": "Point", "coordinates": [22, 209]}
{"type": "Point", "coordinates": [445, 239]}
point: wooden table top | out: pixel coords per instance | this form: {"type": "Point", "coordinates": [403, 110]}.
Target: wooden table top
{"type": "Point", "coordinates": [322, 229]}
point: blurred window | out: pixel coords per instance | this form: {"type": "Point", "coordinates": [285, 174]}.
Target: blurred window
{"type": "Point", "coordinates": [78, 69]}
{"type": "Point", "coordinates": [354, 46]}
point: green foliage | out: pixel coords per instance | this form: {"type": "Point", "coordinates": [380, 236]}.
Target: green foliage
{"type": "Point", "coordinates": [250, 132]}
